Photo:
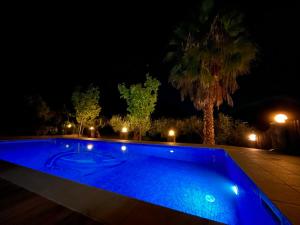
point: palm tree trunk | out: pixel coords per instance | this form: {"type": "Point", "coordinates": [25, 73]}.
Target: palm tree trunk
{"type": "Point", "coordinates": [208, 126]}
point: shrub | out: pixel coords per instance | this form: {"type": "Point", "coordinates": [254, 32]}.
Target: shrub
{"type": "Point", "coordinates": [118, 122]}
{"type": "Point", "coordinates": [183, 127]}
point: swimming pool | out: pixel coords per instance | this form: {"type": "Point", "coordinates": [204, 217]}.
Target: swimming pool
{"type": "Point", "coordinates": [199, 181]}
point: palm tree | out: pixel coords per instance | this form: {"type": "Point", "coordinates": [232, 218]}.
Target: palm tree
{"type": "Point", "coordinates": [208, 56]}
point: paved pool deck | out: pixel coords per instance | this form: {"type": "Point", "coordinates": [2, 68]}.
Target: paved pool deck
{"type": "Point", "coordinates": [277, 175]}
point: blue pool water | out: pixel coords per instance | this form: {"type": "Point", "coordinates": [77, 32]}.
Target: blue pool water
{"type": "Point", "coordinates": [198, 181]}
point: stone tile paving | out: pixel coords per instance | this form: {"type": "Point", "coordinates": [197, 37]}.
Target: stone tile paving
{"type": "Point", "coordinates": [277, 175]}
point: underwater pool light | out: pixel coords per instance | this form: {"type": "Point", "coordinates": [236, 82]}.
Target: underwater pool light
{"type": "Point", "coordinates": [123, 148]}
{"type": "Point", "coordinates": [67, 146]}
{"type": "Point", "coordinates": [171, 151]}
{"type": "Point", "coordinates": [210, 198]}
{"type": "Point", "coordinates": [90, 146]}
{"type": "Point", "coordinates": [235, 189]}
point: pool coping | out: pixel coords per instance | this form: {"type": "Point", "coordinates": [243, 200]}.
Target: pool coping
{"type": "Point", "coordinates": [259, 165]}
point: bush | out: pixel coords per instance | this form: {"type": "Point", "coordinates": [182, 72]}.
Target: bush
{"type": "Point", "coordinates": [230, 131]}
{"type": "Point", "coordinates": [118, 122]}
{"type": "Point", "coordinates": [183, 127]}
{"type": "Point", "coordinates": [240, 132]}
{"type": "Point", "coordinates": [224, 126]}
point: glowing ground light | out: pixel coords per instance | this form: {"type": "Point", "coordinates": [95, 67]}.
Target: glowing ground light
{"type": "Point", "coordinates": [69, 125]}
{"type": "Point", "coordinates": [171, 151]}
{"type": "Point", "coordinates": [123, 148]}
{"type": "Point", "coordinates": [92, 128]}
{"type": "Point", "coordinates": [124, 130]}
{"type": "Point", "coordinates": [90, 146]}
{"type": "Point", "coordinates": [171, 133]}
{"type": "Point", "coordinates": [280, 118]}
{"type": "Point", "coordinates": [210, 198]}
{"type": "Point", "coordinates": [252, 137]}
{"type": "Point", "coordinates": [235, 189]}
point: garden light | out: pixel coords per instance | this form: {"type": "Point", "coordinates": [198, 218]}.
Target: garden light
{"type": "Point", "coordinates": [124, 130]}
{"type": "Point", "coordinates": [92, 128]}
{"type": "Point", "coordinates": [280, 118]}
{"type": "Point", "coordinates": [252, 137]}
{"type": "Point", "coordinates": [69, 125]}
{"type": "Point", "coordinates": [171, 133]}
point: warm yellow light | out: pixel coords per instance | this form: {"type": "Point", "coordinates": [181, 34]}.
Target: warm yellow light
{"type": "Point", "coordinates": [252, 137]}
{"type": "Point", "coordinates": [124, 130]}
{"type": "Point", "coordinates": [69, 125]}
{"type": "Point", "coordinates": [92, 128]}
{"type": "Point", "coordinates": [171, 133]}
{"type": "Point", "coordinates": [280, 118]}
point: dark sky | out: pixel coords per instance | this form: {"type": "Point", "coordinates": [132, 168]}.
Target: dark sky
{"type": "Point", "coordinates": [49, 49]}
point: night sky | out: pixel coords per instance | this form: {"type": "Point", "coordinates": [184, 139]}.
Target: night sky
{"type": "Point", "coordinates": [50, 49]}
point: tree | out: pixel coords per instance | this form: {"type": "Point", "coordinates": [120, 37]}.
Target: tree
{"type": "Point", "coordinates": [39, 115]}
{"type": "Point", "coordinates": [141, 101]}
{"type": "Point", "coordinates": [86, 105]}
{"type": "Point", "coordinates": [208, 54]}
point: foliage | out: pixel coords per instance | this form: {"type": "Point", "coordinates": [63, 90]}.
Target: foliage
{"type": "Point", "coordinates": [141, 101]}
{"type": "Point", "coordinates": [240, 132]}
{"type": "Point", "coordinates": [224, 126]}
{"type": "Point", "coordinates": [117, 122]}
{"type": "Point", "coordinates": [208, 54]}
{"type": "Point", "coordinates": [38, 107]}
{"type": "Point", "coordinates": [96, 123]}
{"type": "Point", "coordinates": [230, 131]}
{"type": "Point", "coordinates": [187, 126]}
{"type": "Point", "coordinates": [86, 105]}
{"type": "Point", "coordinates": [193, 125]}
{"type": "Point", "coordinates": [161, 127]}
{"type": "Point", "coordinates": [40, 117]}
{"type": "Point", "coordinates": [139, 125]}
